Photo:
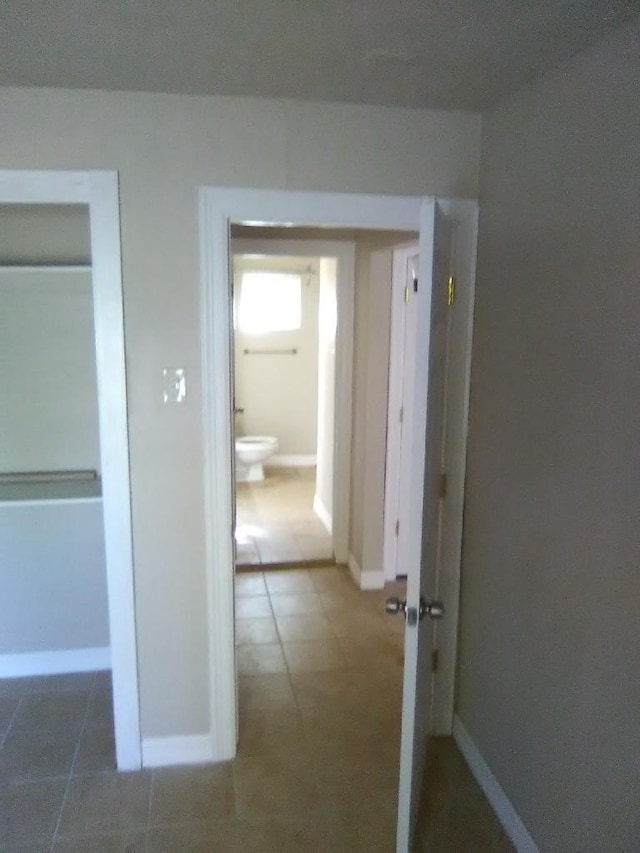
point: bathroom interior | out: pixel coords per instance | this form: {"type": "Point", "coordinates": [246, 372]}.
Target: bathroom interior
{"type": "Point", "coordinates": [284, 356]}
{"type": "Point", "coordinates": [54, 619]}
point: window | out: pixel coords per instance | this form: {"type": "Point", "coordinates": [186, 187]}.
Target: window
{"type": "Point", "coordinates": [270, 302]}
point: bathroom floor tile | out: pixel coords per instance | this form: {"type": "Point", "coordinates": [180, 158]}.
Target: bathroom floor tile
{"type": "Point", "coordinates": [291, 580]}
{"type": "Point", "coordinates": [295, 604]}
{"type": "Point", "coordinates": [250, 606]}
{"type": "Point", "coordinates": [250, 583]}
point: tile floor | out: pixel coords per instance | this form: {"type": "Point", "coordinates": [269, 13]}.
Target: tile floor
{"type": "Point", "coordinates": [275, 521]}
{"type": "Point", "coordinates": [319, 701]}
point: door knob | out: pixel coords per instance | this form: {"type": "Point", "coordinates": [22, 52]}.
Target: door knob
{"type": "Point", "coordinates": [431, 608]}
{"type": "Point", "coordinates": [395, 605]}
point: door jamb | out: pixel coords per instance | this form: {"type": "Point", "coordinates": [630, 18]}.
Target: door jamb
{"type": "Point", "coordinates": [218, 208]}
{"type": "Point", "coordinates": [392, 495]}
{"type": "Point", "coordinates": [99, 190]}
{"type": "Point", "coordinates": [344, 254]}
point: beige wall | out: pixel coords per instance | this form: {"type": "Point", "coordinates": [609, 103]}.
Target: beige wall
{"type": "Point", "coordinates": [44, 234]}
{"type": "Point", "coordinates": [549, 683]}
{"type": "Point", "coordinates": [165, 147]}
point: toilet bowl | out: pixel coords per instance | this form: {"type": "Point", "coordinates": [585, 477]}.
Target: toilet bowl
{"type": "Point", "coordinates": [251, 452]}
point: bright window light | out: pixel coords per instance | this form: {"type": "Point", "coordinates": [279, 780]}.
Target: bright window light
{"type": "Point", "coordinates": [270, 302]}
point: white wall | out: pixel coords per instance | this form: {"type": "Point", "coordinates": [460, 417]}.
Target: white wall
{"type": "Point", "coordinates": [279, 393]}
{"type": "Point", "coordinates": [327, 319]}
{"type": "Point", "coordinates": [49, 412]}
{"type": "Point", "coordinates": [165, 147]}
{"type": "Point", "coordinates": [52, 576]}
{"type": "Point", "coordinates": [549, 681]}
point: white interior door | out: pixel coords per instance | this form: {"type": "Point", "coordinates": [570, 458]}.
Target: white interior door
{"type": "Point", "coordinates": [419, 541]}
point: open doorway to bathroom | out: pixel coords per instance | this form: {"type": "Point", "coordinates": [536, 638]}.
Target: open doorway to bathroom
{"type": "Point", "coordinates": [292, 354]}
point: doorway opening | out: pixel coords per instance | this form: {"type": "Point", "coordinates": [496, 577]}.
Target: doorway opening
{"type": "Point", "coordinates": [64, 514]}
{"type": "Point", "coordinates": [220, 208]}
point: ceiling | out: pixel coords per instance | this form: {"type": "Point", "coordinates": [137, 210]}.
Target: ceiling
{"type": "Point", "coordinates": [452, 54]}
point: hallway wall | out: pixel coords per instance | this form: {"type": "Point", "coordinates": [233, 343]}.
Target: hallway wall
{"type": "Point", "coordinates": [165, 147]}
{"type": "Point", "coordinates": [549, 685]}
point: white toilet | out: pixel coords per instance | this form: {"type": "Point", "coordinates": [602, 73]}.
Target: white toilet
{"type": "Point", "coordinates": [251, 452]}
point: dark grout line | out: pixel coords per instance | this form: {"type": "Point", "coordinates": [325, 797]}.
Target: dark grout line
{"type": "Point", "coordinates": [73, 763]}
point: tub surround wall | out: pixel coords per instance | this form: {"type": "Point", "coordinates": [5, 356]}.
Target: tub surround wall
{"type": "Point", "coordinates": [279, 392]}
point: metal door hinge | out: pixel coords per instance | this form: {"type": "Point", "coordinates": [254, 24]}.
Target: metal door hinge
{"type": "Point", "coordinates": [398, 527]}
{"type": "Point", "coordinates": [415, 284]}
{"type": "Point", "coordinates": [401, 414]}
{"type": "Point", "coordinates": [451, 290]}
{"type": "Point", "coordinates": [435, 660]}
{"type": "Point", "coordinates": [443, 485]}
{"type": "Point", "coordinates": [406, 294]}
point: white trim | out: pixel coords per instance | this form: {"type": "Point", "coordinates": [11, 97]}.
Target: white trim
{"type": "Point", "coordinates": [365, 580]}
{"type": "Point", "coordinates": [354, 568]}
{"type": "Point", "coordinates": [345, 254]}
{"type": "Point", "coordinates": [55, 663]}
{"type": "Point", "coordinates": [505, 812]}
{"type": "Point", "coordinates": [100, 191]}
{"type": "Point", "coordinates": [322, 512]}
{"type": "Point", "coordinates": [372, 580]}
{"type": "Point", "coordinates": [218, 208]}
{"type": "Point", "coordinates": [169, 751]}
{"type": "Point", "coordinates": [292, 460]}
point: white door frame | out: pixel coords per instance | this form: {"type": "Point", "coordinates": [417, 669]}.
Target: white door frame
{"type": "Point", "coordinates": [345, 255]}
{"type": "Point", "coordinates": [219, 207]}
{"type": "Point", "coordinates": [99, 190]}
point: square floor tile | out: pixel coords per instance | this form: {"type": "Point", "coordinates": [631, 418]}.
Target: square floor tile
{"type": "Point", "coordinates": [256, 631]}
{"type": "Point", "coordinates": [314, 656]}
{"type": "Point", "coordinates": [295, 604]}
{"type": "Point", "coordinates": [212, 837]}
{"type": "Point", "coordinates": [96, 751]}
{"type": "Point", "coordinates": [106, 803]}
{"type": "Point", "coordinates": [291, 580]}
{"type": "Point", "coordinates": [265, 692]}
{"type": "Point", "coordinates": [260, 659]}
{"type": "Point", "coordinates": [128, 842]}
{"type": "Point", "coordinates": [191, 794]}
{"type": "Point", "coordinates": [252, 605]}
{"type": "Point", "coordinates": [310, 626]}
{"type": "Point", "coordinates": [31, 755]}
{"type": "Point", "coordinates": [250, 583]}
{"type": "Point", "coordinates": [29, 812]}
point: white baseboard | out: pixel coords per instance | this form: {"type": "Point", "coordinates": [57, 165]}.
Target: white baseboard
{"type": "Point", "coordinates": [180, 749]}
{"type": "Point", "coordinates": [54, 663]}
{"type": "Point", "coordinates": [505, 812]}
{"type": "Point", "coordinates": [299, 460]}
{"type": "Point", "coordinates": [365, 580]}
{"type": "Point", "coordinates": [323, 513]}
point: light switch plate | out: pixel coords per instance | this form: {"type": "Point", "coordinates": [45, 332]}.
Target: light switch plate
{"type": "Point", "coordinates": [174, 385]}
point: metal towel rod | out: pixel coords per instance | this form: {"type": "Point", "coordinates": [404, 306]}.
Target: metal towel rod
{"type": "Point", "coordinates": [292, 351]}
{"type": "Point", "coordinates": [47, 476]}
